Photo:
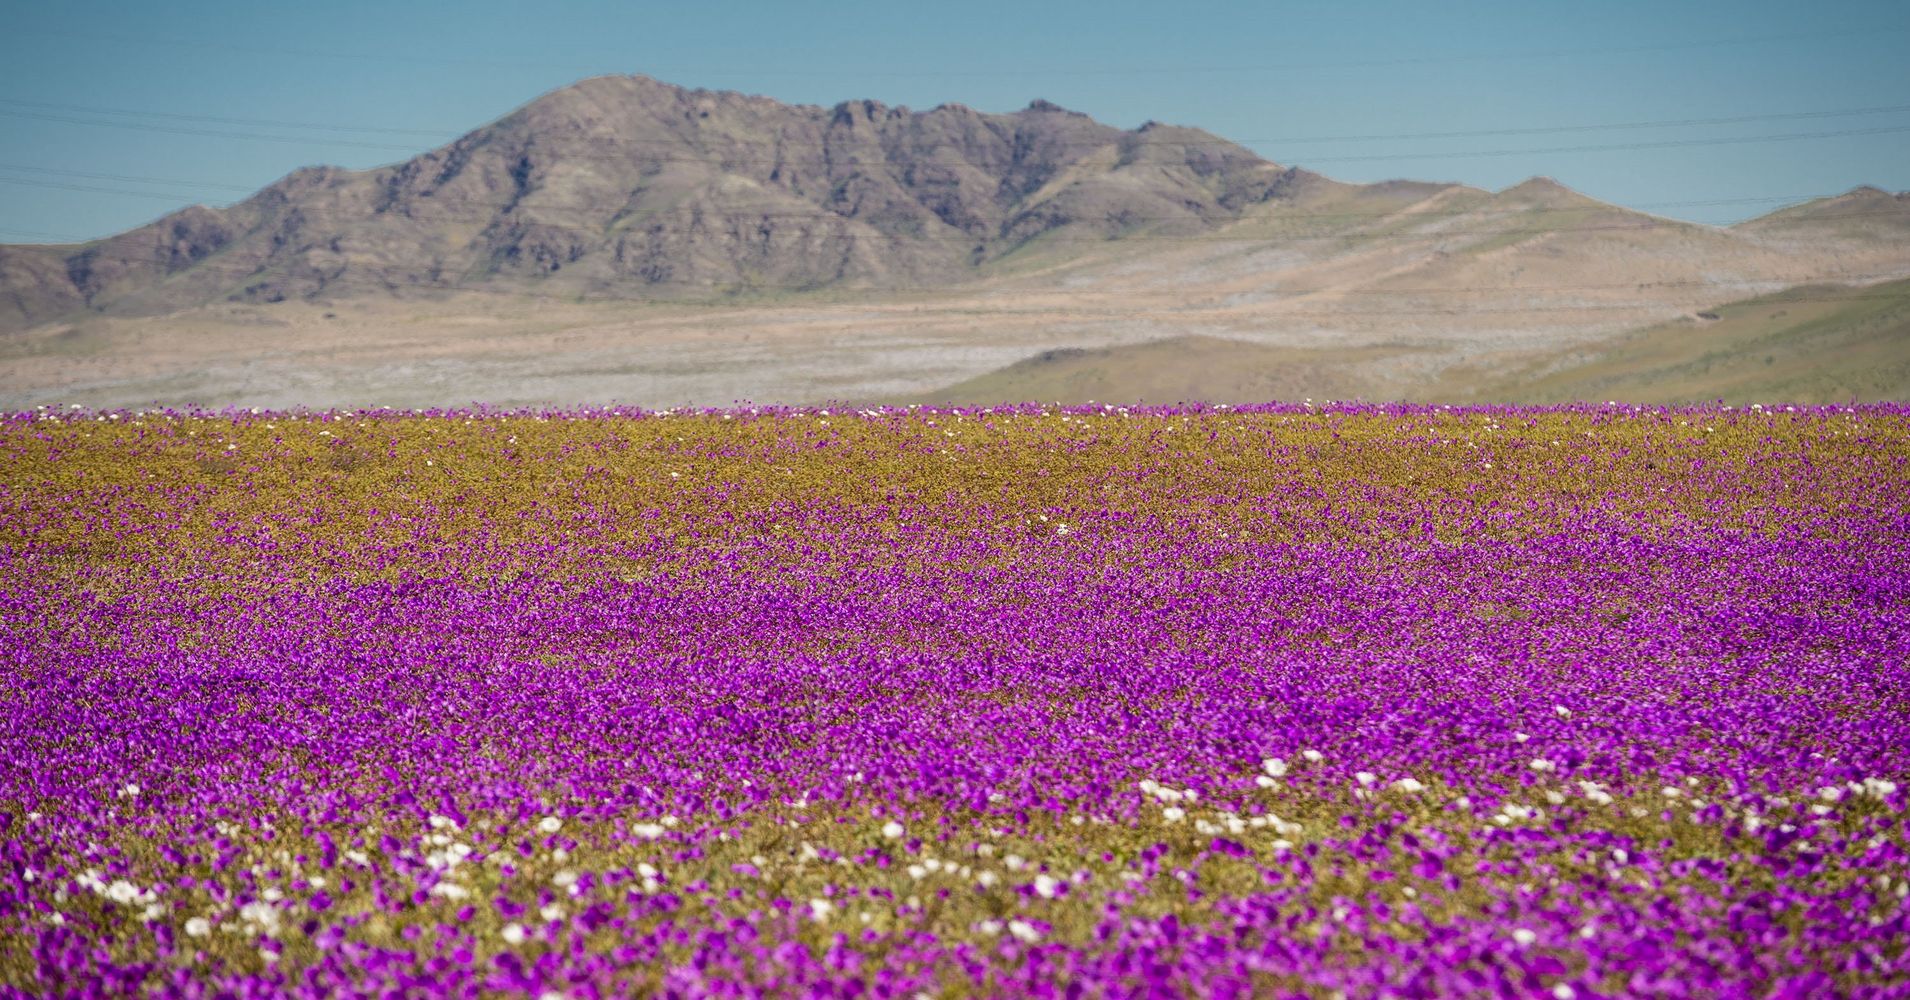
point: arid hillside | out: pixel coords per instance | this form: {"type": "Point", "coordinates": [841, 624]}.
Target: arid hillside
{"type": "Point", "coordinates": [624, 239]}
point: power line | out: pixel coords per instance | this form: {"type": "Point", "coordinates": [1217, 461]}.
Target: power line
{"type": "Point", "coordinates": [208, 133]}
{"type": "Point", "coordinates": [264, 122]}
{"type": "Point", "coordinates": [849, 152]}
{"type": "Point", "coordinates": [148, 42]}
{"type": "Point", "coordinates": [448, 133]}
{"type": "Point", "coordinates": [1604, 127]}
{"type": "Point", "coordinates": [135, 179]}
{"type": "Point", "coordinates": [1664, 144]}
{"type": "Point", "coordinates": [62, 237]}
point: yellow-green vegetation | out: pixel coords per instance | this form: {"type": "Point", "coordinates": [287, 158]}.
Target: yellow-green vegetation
{"type": "Point", "coordinates": [1816, 344]}
{"type": "Point", "coordinates": [972, 702]}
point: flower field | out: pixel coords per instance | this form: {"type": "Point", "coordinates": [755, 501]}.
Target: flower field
{"type": "Point", "coordinates": [1081, 702]}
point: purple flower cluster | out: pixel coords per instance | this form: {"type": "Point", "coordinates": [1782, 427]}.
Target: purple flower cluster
{"type": "Point", "coordinates": [1276, 701]}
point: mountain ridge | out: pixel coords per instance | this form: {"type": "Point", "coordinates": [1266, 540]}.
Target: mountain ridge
{"type": "Point", "coordinates": [641, 184]}
{"type": "Point", "coordinates": [626, 186]}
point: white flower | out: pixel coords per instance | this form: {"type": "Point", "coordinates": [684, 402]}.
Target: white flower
{"type": "Point", "coordinates": [513, 934]}
{"type": "Point", "coordinates": [1670, 792]}
{"type": "Point", "coordinates": [450, 890]}
{"type": "Point", "coordinates": [1263, 781]}
{"type": "Point", "coordinates": [1274, 766]}
{"type": "Point", "coordinates": [198, 927]}
{"type": "Point", "coordinates": [551, 911]}
{"type": "Point", "coordinates": [1520, 737]}
{"type": "Point", "coordinates": [1830, 793]}
{"type": "Point", "coordinates": [987, 879]}
{"type": "Point", "coordinates": [440, 822]}
{"type": "Point", "coordinates": [989, 927]}
{"type": "Point", "coordinates": [1523, 937]}
{"type": "Point", "coordinates": [1173, 814]}
{"type": "Point", "coordinates": [122, 891]}
{"type": "Point", "coordinates": [1313, 756]}
{"type": "Point", "coordinates": [821, 909]}
{"type": "Point", "coordinates": [260, 914]}
{"type": "Point", "coordinates": [1409, 785]}
{"type": "Point", "coordinates": [648, 831]}
{"type": "Point", "coordinates": [550, 824]}
{"type": "Point", "coordinates": [1365, 778]}
{"type": "Point", "coordinates": [564, 878]}
{"type": "Point", "coordinates": [1541, 764]}
{"type": "Point", "coordinates": [917, 872]}
{"type": "Point", "coordinates": [893, 830]}
{"type": "Point", "coordinates": [1015, 862]}
{"type": "Point", "coordinates": [129, 791]}
{"type": "Point", "coordinates": [1045, 886]}
{"type": "Point", "coordinates": [1024, 931]}
{"type": "Point", "coordinates": [1564, 992]}
{"type": "Point", "coordinates": [1563, 712]}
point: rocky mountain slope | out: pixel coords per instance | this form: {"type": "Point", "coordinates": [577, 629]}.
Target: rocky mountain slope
{"type": "Point", "coordinates": [626, 239]}
{"type": "Point", "coordinates": [625, 185]}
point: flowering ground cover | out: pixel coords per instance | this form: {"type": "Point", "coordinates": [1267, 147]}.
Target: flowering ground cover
{"type": "Point", "coordinates": [1271, 701]}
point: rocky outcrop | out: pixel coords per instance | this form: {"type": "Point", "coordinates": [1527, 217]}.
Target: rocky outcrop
{"type": "Point", "coordinates": [632, 187]}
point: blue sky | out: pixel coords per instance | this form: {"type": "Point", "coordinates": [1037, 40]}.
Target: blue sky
{"type": "Point", "coordinates": [1290, 80]}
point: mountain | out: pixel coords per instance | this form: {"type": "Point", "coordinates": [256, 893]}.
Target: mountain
{"type": "Point", "coordinates": [625, 185]}
{"type": "Point", "coordinates": [625, 239]}
{"type": "Point", "coordinates": [1866, 213]}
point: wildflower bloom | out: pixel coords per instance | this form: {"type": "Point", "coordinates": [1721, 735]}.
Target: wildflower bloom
{"type": "Point", "coordinates": [744, 702]}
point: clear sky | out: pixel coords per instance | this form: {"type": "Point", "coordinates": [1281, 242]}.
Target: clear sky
{"type": "Point", "coordinates": [1346, 87]}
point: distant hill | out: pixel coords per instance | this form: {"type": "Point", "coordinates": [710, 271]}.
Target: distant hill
{"type": "Point", "coordinates": [1172, 370]}
{"type": "Point", "coordinates": [1813, 343]}
{"type": "Point", "coordinates": [1810, 344]}
{"type": "Point", "coordinates": [623, 238]}
{"type": "Point", "coordinates": [1866, 213]}
{"type": "Point", "coordinates": [626, 184]}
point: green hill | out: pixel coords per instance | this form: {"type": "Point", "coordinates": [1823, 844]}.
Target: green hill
{"type": "Point", "coordinates": [1813, 343]}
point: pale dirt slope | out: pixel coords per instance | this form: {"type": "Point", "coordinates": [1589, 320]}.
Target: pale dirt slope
{"type": "Point", "coordinates": [625, 240]}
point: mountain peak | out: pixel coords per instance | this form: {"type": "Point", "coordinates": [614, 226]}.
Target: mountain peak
{"type": "Point", "coordinates": [1544, 192]}
{"type": "Point", "coordinates": [1540, 185]}
{"type": "Point", "coordinates": [1864, 206]}
{"type": "Point", "coordinates": [625, 184]}
{"type": "Point", "coordinates": [1042, 105]}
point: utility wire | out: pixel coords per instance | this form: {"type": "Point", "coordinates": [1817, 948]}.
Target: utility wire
{"type": "Point", "coordinates": [448, 133]}
{"type": "Point", "coordinates": [149, 42]}
{"type": "Point", "coordinates": [850, 152]}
